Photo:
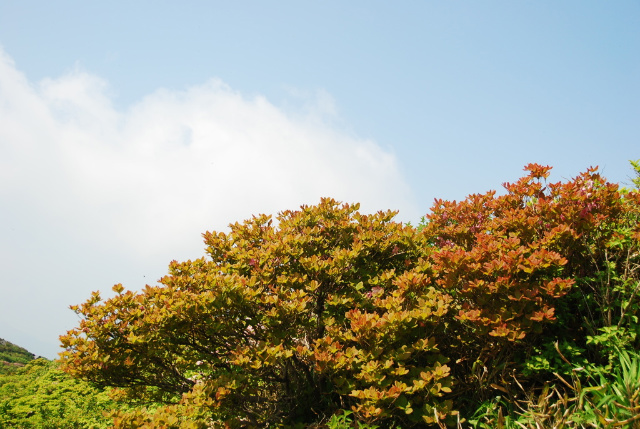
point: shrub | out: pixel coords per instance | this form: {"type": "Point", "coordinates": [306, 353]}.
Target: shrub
{"type": "Point", "coordinates": [544, 263]}
{"type": "Point", "coordinates": [287, 322]}
{"type": "Point", "coordinates": [327, 311]}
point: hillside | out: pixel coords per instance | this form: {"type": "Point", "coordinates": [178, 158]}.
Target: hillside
{"type": "Point", "coordinates": [13, 356]}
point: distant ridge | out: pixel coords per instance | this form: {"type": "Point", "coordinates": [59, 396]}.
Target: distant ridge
{"type": "Point", "coordinates": [13, 357]}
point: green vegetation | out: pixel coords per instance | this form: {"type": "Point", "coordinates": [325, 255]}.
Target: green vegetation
{"type": "Point", "coordinates": [41, 396]}
{"type": "Point", "coordinates": [12, 357]}
{"type": "Point", "coordinates": [519, 310]}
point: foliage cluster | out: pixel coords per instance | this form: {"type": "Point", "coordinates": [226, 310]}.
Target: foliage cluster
{"type": "Point", "coordinates": [41, 396]}
{"type": "Point", "coordinates": [552, 262]}
{"type": "Point", "coordinates": [281, 324]}
{"type": "Point", "coordinates": [611, 399]}
{"type": "Point", "coordinates": [327, 315]}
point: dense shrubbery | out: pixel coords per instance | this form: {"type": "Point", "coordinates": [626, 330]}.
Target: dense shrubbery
{"type": "Point", "coordinates": [545, 281]}
{"type": "Point", "coordinates": [282, 324]}
{"type": "Point", "coordinates": [40, 396]}
{"type": "Point", "coordinates": [327, 312]}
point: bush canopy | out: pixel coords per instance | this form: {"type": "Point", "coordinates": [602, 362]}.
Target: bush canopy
{"type": "Point", "coordinates": [296, 320]}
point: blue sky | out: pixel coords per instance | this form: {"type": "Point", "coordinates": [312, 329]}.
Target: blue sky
{"type": "Point", "coordinates": [128, 128]}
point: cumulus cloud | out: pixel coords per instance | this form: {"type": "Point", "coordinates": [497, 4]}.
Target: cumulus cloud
{"type": "Point", "coordinates": [94, 189]}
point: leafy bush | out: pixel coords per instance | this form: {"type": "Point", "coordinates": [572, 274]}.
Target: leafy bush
{"type": "Point", "coordinates": [325, 310]}
{"type": "Point", "coordinates": [284, 324]}
{"type": "Point", "coordinates": [541, 264]}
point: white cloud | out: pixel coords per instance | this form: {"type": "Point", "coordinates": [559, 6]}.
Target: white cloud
{"type": "Point", "coordinates": [95, 192]}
